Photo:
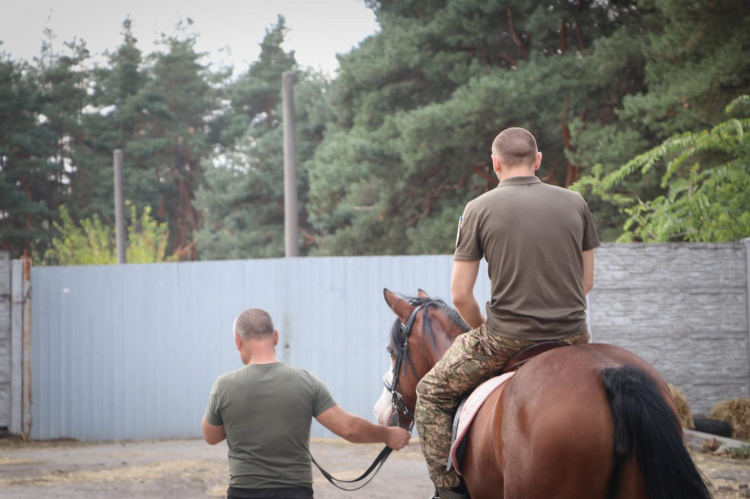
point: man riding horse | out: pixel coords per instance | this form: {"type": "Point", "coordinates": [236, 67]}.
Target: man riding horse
{"type": "Point", "coordinates": [538, 241]}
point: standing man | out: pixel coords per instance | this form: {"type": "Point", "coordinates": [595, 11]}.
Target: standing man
{"type": "Point", "coordinates": [538, 241]}
{"type": "Point", "coordinates": [265, 410]}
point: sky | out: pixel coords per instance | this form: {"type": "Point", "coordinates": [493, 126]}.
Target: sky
{"type": "Point", "coordinates": [229, 30]}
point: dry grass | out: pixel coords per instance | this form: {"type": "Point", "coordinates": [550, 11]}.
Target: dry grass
{"type": "Point", "coordinates": [149, 472]}
{"type": "Point", "coordinates": [683, 408]}
{"type": "Point", "coordinates": [9, 461]}
{"type": "Point", "coordinates": [736, 412]}
{"type": "Point", "coordinates": [729, 477]}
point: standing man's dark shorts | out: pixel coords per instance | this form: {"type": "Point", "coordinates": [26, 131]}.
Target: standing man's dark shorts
{"type": "Point", "coordinates": [281, 493]}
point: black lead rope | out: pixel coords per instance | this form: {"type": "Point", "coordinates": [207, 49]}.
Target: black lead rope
{"type": "Point", "coordinates": [376, 465]}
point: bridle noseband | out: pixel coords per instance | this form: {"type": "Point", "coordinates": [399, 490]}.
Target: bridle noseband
{"type": "Point", "coordinates": [397, 400]}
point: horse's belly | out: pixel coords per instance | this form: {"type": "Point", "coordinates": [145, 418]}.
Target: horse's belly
{"type": "Point", "coordinates": [483, 465]}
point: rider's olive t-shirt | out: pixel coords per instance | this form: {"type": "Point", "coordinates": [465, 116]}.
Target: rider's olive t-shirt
{"type": "Point", "coordinates": [267, 411]}
{"type": "Point", "coordinates": [532, 235]}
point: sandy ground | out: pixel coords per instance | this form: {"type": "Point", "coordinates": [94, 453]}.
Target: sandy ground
{"type": "Point", "coordinates": [188, 469]}
{"type": "Point", "coordinates": [191, 469]}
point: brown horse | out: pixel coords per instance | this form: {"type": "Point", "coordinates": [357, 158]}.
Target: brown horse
{"type": "Point", "coordinates": [589, 421]}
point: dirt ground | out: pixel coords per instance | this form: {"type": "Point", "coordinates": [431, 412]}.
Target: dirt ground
{"type": "Point", "coordinates": [191, 469]}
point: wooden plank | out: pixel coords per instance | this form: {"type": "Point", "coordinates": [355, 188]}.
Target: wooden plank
{"type": "Point", "coordinates": [5, 346]}
{"type": "Point", "coordinates": [4, 360]}
{"type": "Point", "coordinates": [4, 295]}
{"type": "Point", "coordinates": [4, 405]}
{"type": "Point", "coordinates": [15, 356]}
{"type": "Point", "coordinates": [4, 316]}
{"type": "Point", "coordinates": [4, 273]}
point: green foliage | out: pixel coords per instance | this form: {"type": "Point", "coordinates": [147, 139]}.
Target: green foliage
{"type": "Point", "coordinates": [696, 63]}
{"type": "Point", "coordinates": [389, 151]}
{"type": "Point", "coordinates": [25, 189]}
{"type": "Point", "coordinates": [92, 243]}
{"type": "Point", "coordinates": [67, 119]}
{"type": "Point", "coordinates": [707, 184]}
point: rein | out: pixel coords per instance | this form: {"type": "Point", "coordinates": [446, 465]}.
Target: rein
{"type": "Point", "coordinates": [376, 465]}
{"type": "Point", "coordinates": [397, 400]}
{"type": "Point", "coordinates": [399, 409]}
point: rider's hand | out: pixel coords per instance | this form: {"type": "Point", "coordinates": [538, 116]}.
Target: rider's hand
{"type": "Point", "coordinates": [397, 438]}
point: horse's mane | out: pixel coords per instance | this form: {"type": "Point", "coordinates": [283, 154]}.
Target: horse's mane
{"type": "Point", "coordinates": [397, 333]}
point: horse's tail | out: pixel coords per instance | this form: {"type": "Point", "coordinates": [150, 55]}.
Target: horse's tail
{"type": "Point", "coordinates": [644, 423]}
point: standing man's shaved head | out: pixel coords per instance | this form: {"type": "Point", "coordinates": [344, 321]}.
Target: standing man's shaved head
{"type": "Point", "coordinates": [515, 147]}
{"type": "Point", "coordinates": [254, 324]}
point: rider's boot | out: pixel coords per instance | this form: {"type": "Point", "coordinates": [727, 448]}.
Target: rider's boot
{"type": "Point", "coordinates": [458, 492]}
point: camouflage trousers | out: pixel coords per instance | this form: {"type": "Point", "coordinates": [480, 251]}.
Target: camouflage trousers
{"type": "Point", "coordinates": [473, 358]}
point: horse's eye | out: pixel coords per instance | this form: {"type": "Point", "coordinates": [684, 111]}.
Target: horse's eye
{"type": "Point", "coordinates": [389, 350]}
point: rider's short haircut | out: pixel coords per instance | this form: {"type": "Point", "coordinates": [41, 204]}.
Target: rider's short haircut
{"type": "Point", "coordinates": [515, 147]}
{"type": "Point", "coordinates": [253, 323]}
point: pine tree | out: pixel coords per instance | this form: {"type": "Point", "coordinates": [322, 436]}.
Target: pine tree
{"type": "Point", "coordinates": [24, 170]}
{"type": "Point", "coordinates": [243, 198]}
{"type": "Point", "coordinates": [41, 132]}
{"type": "Point", "coordinates": [419, 103]}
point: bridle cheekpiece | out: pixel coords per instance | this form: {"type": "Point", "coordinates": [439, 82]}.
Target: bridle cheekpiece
{"type": "Point", "coordinates": [397, 400]}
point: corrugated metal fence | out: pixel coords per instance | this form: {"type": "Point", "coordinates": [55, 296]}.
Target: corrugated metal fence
{"type": "Point", "coordinates": [131, 351]}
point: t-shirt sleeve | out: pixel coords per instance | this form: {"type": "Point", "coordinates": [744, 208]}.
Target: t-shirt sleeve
{"type": "Point", "coordinates": [590, 237]}
{"type": "Point", "coordinates": [468, 247]}
{"type": "Point", "coordinates": [213, 415]}
{"type": "Point", "coordinates": [322, 398]}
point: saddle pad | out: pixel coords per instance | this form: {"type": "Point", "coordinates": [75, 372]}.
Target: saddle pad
{"type": "Point", "coordinates": [469, 410]}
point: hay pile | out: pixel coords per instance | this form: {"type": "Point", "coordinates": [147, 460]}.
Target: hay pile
{"type": "Point", "coordinates": [736, 412]}
{"type": "Point", "coordinates": [683, 409]}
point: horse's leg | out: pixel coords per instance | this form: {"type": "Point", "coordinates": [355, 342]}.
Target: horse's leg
{"type": "Point", "coordinates": [483, 465]}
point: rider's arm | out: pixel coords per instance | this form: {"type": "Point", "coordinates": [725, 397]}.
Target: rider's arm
{"type": "Point", "coordinates": [360, 431]}
{"type": "Point", "coordinates": [462, 292]}
{"type": "Point", "coordinates": [588, 270]}
{"type": "Point", "coordinates": [211, 433]}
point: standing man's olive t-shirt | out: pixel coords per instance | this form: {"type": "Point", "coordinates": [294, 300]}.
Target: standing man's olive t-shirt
{"type": "Point", "coordinates": [267, 411]}
{"type": "Point", "coordinates": [532, 235]}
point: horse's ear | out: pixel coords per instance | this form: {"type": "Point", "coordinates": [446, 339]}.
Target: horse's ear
{"type": "Point", "coordinates": [421, 293]}
{"type": "Point", "coordinates": [399, 306]}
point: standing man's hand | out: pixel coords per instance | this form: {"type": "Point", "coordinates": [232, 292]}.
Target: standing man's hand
{"type": "Point", "coordinates": [397, 438]}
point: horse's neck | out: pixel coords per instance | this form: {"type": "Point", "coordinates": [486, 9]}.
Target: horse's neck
{"type": "Point", "coordinates": [444, 340]}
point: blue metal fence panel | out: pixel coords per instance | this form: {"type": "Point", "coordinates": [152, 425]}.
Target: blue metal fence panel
{"type": "Point", "coordinates": [131, 351]}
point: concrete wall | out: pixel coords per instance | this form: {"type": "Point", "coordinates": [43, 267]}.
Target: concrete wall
{"type": "Point", "coordinates": [683, 308]}
{"type": "Point", "coordinates": [131, 351]}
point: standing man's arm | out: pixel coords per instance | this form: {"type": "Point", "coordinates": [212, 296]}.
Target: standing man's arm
{"type": "Point", "coordinates": [588, 271]}
{"type": "Point", "coordinates": [360, 431]}
{"type": "Point", "coordinates": [211, 433]}
{"type": "Point", "coordinates": [462, 292]}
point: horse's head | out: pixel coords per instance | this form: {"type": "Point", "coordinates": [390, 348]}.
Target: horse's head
{"type": "Point", "coordinates": [422, 332]}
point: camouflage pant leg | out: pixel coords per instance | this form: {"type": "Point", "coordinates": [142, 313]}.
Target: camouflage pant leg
{"type": "Point", "coordinates": [473, 358]}
{"type": "Point", "coordinates": [466, 364]}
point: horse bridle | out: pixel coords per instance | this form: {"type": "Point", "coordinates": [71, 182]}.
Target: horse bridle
{"type": "Point", "coordinates": [397, 400]}
{"type": "Point", "coordinates": [399, 408]}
